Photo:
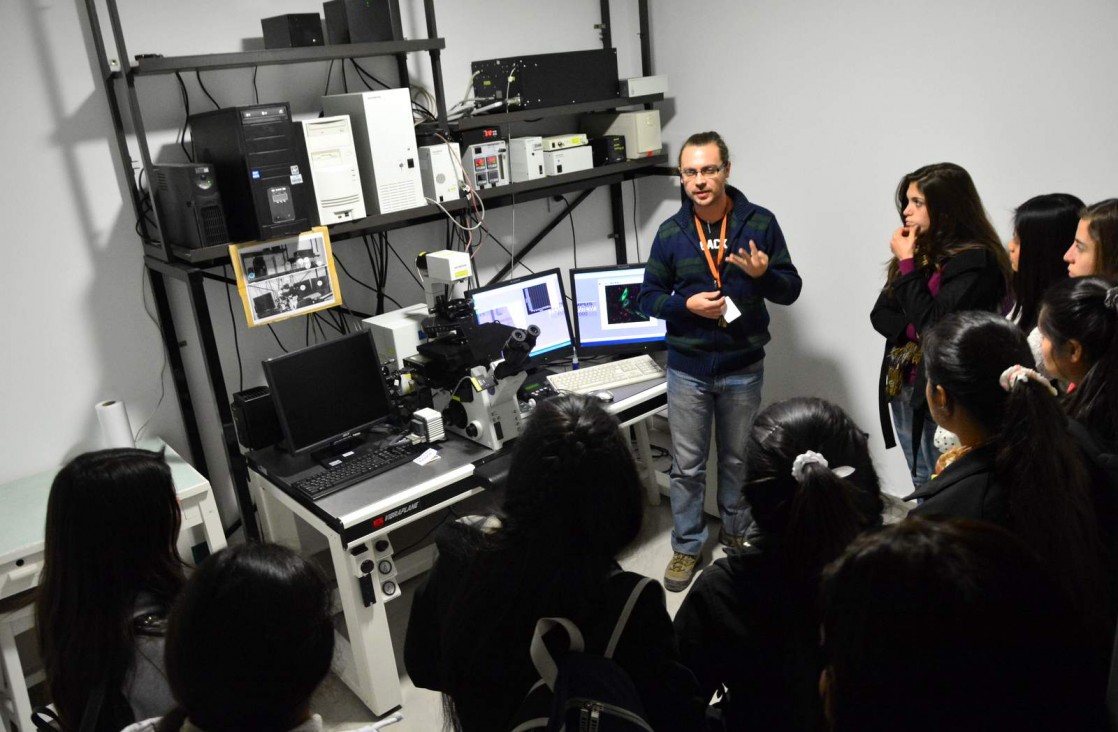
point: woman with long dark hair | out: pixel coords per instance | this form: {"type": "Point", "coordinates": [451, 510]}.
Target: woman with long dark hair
{"type": "Point", "coordinates": [1042, 228]}
{"type": "Point", "coordinates": [751, 621]}
{"type": "Point", "coordinates": [572, 503]}
{"type": "Point", "coordinates": [946, 258]}
{"type": "Point", "coordinates": [1095, 249]}
{"type": "Point", "coordinates": [111, 572]}
{"type": "Point", "coordinates": [1016, 466]}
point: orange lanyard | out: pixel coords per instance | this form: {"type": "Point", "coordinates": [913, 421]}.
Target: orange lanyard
{"type": "Point", "coordinates": [715, 266]}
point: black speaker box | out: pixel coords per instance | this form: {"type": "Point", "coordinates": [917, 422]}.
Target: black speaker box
{"type": "Point", "coordinates": [189, 205]}
{"type": "Point", "coordinates": [292, 30]}
{"type": "Point", "coordinates": [254, 416]}
{"type": "Point", "coordinates": [362, 21]}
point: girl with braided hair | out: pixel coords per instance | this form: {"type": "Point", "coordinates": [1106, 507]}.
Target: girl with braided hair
{"type": "Point", "coordinates": [572, 503]}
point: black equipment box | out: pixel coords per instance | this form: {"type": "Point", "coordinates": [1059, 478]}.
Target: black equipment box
{"type": "Point", "coordinates": [292, 30]}
{"type": "Point", "coordinates": [362, 21]}
{"type": "Point", "coordinates": [254, 416]}
{"type": "Point", "coordinates": [548, 79]}
{"type": "Point", "coordinates": [608, 149]}
{"type": "Point", "coordinates": [189, 205]}
{"type": "Point", "coordinates": [260, 171]}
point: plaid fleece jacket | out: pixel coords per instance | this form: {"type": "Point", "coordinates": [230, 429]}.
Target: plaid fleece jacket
{"type": "Point", "coordinates": [677, 269]}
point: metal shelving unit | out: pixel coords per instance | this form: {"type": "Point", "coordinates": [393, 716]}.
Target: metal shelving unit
{"type": "Point", "coordinates": [190, 266]}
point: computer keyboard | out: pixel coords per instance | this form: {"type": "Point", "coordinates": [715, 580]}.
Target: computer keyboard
{"type": "Point", "coordinates": [358, 469]}
{"type": "Point", "coordinates": [607, 375]}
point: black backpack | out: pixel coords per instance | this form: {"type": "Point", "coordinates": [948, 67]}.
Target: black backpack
{"type": "Point", "coordinates": [582, 691]}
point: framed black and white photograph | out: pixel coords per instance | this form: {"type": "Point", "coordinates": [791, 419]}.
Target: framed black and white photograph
{"type": "Point", "coordinates": [282, 278]}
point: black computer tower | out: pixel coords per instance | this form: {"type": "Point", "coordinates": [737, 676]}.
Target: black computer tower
{"type": "Point", "coordinates": [362, 21]}
{"type": "Point", "coordinates": [189, 205]}
{"type": "Point", "coordinates": [260, 171]}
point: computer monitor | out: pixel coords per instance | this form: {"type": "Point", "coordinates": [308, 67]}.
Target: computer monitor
{"type": "Point", "coordinates": [537, 299]}
{"type": "Point", "coordinates": [607, 320]}
{"type": "Point", "coordinates": [328, 392]}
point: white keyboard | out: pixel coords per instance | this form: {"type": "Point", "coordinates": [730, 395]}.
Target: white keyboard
{"type": "Point", "coordinates": [607, 375]}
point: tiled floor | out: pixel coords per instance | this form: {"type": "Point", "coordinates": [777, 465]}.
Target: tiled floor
{"type": "Point", "coordinates": [422, 709]}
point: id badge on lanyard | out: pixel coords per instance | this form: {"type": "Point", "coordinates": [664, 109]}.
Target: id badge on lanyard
{"type": "Point", "coordinates": [714, 263]}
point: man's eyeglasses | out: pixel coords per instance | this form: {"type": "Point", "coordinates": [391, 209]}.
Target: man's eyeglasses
{"type": "Point", "coordinates": [707, 171]}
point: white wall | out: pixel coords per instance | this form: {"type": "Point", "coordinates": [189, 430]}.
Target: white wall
{"type": "Point", "coordinates": [826, 105]}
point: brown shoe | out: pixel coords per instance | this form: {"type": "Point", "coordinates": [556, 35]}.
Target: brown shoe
{"type": "Point", "coordinates": [680, 572]}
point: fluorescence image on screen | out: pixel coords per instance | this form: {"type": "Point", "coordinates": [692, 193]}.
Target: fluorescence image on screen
{"type": "Point", "coordinates": [621, 304]}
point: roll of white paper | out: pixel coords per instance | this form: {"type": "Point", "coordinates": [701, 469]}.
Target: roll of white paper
{"type": "Point", "coordinates": [115, 429]}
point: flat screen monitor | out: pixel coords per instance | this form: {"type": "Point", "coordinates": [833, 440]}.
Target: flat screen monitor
{"type": "Point", "coordinates": [537, 299]}
{"type": "Point", "coordinates": [328, 392]}
{"type": "Point", "coordinates": [607, 320]}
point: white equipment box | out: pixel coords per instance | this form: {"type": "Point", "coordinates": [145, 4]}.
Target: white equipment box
{"type": "Point", "coordinates": [439, 166]}
{"type": "Point", "coordinates": [487, 164]}
{"type": "Point", "coordinates": [398, 334]}
{"type": "Point", "coordinates": [557, 162]}
{"type": "Point", "coordinates": [526, 158]}
{"type": "Point", "coordinates": [641, 130]}
{"type": "Point", "coordinates": [641, 86]}
{"type": "Point", "coordinates": [386, 148]}
{"type": "Point", "coordinates": [561, 142]}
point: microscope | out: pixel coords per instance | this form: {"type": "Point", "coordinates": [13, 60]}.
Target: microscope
{"type": "Point", "coordinates": [473, 370]}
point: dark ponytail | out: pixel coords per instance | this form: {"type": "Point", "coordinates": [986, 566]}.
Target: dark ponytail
{"type": "Point", "coordinates": [813, 515]}
{"type": "Point", "coordinates": [1085, 309]}
{"type": "Point", "coordinates": [1049, 490]}
{"type": "Point", "coordinates": [824, 518]}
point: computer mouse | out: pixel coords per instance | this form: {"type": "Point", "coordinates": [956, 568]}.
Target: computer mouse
{"type": "Point", "coordinates": [603, 395]}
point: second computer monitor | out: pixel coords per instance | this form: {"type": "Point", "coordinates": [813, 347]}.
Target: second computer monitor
{"type": "Point", "coordinates": [607, 319]}
{"type": "Point", "coordinates": [537, 299]}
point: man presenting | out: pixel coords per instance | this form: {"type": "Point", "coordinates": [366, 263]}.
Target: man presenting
{"type": "Point", "coordinates": [711, 268]}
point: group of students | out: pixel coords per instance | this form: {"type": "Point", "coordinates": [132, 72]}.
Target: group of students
{"type": "Point", "coordinates": [128, 640]}
{"type": "Point", "coordinates": [992, 607]}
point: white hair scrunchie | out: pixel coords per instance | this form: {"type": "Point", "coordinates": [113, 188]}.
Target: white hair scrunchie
{"type": "Point", "coordinates": [810, 456]}
{"type": "Point", "coordinates": [1017, 373]}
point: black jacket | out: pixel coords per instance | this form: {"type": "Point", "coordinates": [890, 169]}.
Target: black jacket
{"type": "Point", "coordinates": [967, 488]}
{"type": "Point", "coordinates": [971, 280]}
{"type": "Point", "coordinates": [745, 625]}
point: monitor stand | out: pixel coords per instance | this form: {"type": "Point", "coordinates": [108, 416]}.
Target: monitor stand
{"type": "Point", "coordinates": [339, 453]}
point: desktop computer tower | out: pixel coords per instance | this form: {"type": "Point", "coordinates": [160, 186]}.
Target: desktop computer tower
{"type": "Point", "coordinates": [189, 205]}
{"type": "Point", "coordinates": [384, 135]}
{"type": "Point", "coordinates": [439, 166]}
{"type": "Point", "coordinates": [327, 143]}
{"type": "Point", "coordinates": [362, 21]}
{"type": "Point", "coordinates": [254, 153]}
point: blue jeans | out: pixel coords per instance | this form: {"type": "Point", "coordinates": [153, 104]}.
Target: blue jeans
{"type": "Point", "coordinates": [923, 462]}
{"type": "Point", "coordinates": [729, 402]}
